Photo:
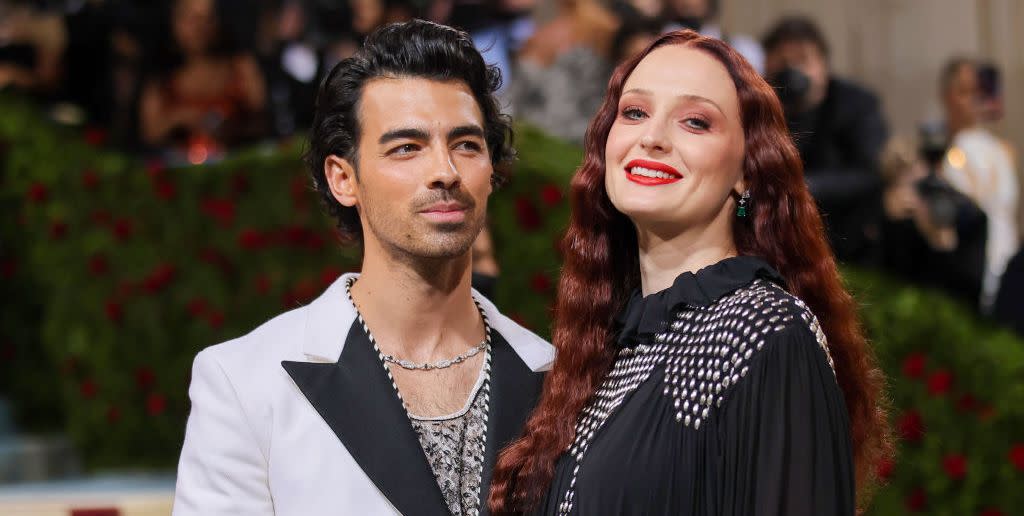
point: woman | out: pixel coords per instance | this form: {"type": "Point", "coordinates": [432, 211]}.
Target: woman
{"type": "Point", "coordinates": [692, 375]}
{"type": "Point", "coordinates": [208, 95]}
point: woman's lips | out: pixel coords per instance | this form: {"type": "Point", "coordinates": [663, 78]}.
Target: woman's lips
{"type": "Point", "coordinates": [651, 173]}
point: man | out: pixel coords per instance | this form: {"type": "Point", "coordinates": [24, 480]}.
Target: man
{"type": "Point", "coordinates": [394, 391]}
{"type": "Point", "coordinates": [702, 16]}
{"type": "Point", "coordinates": [982, 167]}
{"type": "Point", "coordinates": [839, 130]}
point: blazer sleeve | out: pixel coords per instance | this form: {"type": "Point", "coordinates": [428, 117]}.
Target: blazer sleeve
{"type": "Point", "coordinates": [222, 468]}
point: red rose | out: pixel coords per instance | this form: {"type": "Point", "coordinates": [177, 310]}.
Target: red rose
{"type": "Point", "coordinates": [540, 283]}
{"type": "Point", "coordinates": [88, 389]}
{"type": "Point", "coordinates": [154, 167]}
{"type": "Point", "coordinates": [251, 240]}
{"type": "Point", "coordinates": [165, 189]}
{"type": "Point", "coordinates": [955, 466]}
{"type": "Point", "coordinates": [100, 217]}
{"type": "Point", "coordinates": [939, 382]}
{"type": "Point", "coordinates": [913, 365]}
{"type": "Point", "coordinates": [215, 318]}
{"type": "Point", "coordinates": [299, 190]}
{"type": "Point", "coordinates": [315, 242]}
{"type": "Point", "coordinates": [156, 404]}
{"type": "Point", "coordinates": [90, 179]}
{"type": "Point", "coordinates": [125, 289]}
{"type": "Point", "coordinates": [197, 307]}
{"type": "Point", "coordinates": [240, 183]}
{"type": "Point", "coordinates": [551, 195]}
{"type": "Point", "coordinates": [884, 468]}
{"type": "Point", "coordinates": [527, 215]}
{"type": "Point", "coordinates": [98, 265]}
{"type": "Point", "coordinates": [144, 377]}
{"type": "Point", "coordinates": [294, 236]}
{"type": "Point", "coordinates": [262, 284]}
{"type": "Point", "coordinates": [113, 414]}
{"type": "Point", "coordinates": [114, 311]}
{"type": "Point", "coordinates": [917, 500]}
{"type": "Point", "coordinates": [991, 511]}
{"type": "Point", "coordinates": [1016, 456]}
{"type": "Point", "coordinates": [95, 136]}
{"type": "Point", "coordinates": [986, 413]}
{"type": "Point", "coordinates": [911, 427]}
{"type": "Point", "coordinates": [221, 210]}
{"type": "Point", "coordinates": [8, 267]}
{"type": "Point", "coordinates": [58, 230]}
{"type": "Point", "coordinates": [37, 192]}
{"type": "Point", "coordinates": [123, 229]}
{"type": "Point", "coordinates": [966, 403]}
{"type": "Point", "coordinates": [159, 278]}
{"type": "Point", "coordinates": [328, 275]}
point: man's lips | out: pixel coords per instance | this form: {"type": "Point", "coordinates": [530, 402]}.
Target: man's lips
{"type": "Point", "coordinates": [652, 173]}
{"type": "Point", "coordinates": [445, 212]}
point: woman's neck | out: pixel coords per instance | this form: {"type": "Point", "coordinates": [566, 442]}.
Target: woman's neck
{"type": "Point", "coordinates": [664, 259]}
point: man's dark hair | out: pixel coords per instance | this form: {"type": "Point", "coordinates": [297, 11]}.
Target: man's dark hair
{"type": "Point", "coordinates": [414, 49]}
{"type": "Point", "coordinates": [950, 71]}
{"type": "Point", "coordinates": [794, 29]}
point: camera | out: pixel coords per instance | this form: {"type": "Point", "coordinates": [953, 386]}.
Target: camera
{"type": "Point", "coordinates": [938, 195]}
{"type": "Point", "coordinates": [792, 86]}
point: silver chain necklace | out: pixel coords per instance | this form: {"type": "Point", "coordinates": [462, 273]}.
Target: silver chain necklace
{"type": "Point", "coordinates": [485, 390]}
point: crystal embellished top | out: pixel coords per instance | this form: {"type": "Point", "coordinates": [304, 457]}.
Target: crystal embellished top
{"type": "Point", "coordinates": [721, 400]}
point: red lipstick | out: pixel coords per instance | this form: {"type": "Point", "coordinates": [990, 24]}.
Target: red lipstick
{"type": "Point", "coordinates": [655, 166]}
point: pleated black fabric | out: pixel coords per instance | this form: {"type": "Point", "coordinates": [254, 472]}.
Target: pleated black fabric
{"type": "Point", "coordinates": [774, 442]}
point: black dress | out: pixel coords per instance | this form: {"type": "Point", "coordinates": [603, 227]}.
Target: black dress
{"type": "Point", "coordinates": [722, 400]}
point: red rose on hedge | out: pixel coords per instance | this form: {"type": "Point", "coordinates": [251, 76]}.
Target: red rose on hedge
{"type": "Point", "coordinates": [540, 283]}
{"type": "Point", "coordinates": [123, 229]}
{"type": "Point", "coordinates": [884, 468]}
{"type": "Point", "coordinates": [37, 192]}
{"type": "Point", "coordinates": [955, 466]}
{"type": "Point", "coordinates": [551, 195]}
{"type": "Point", "coordinates": [250, 239]}
{"type": "Point", "coordinates": [939, 382]}
{"type": "Point", "coordinates": [114, 311]}
{"type": "Point", "coordinates": [262, 283]}
{"type": "Point", "coordinates": [156, 404]}
{"type": "Point", "coordinates": [221, 210]}
{"type": "Point", "coordinates": [966, 403]}
{"type": "Point", "coordinates": [910, 426]}
{"type": "Point", "coordinates": [165, 189]}
{"type": "Point", "coordinates": [159, 278]}
{"type": "Point", "coordinates": [240, 182]}
{"type": "Point", "coordinates": [527, 215]}
{"type": "Point", "coordinates": [90, 179]}
{"type": "Point", "coordinates": [98, 265]}
{"type": "Point", "coordinates": [88, 389]}
{"type": "Point", "coordinates": [917, 500]}
{"type": "Point", "coordinates": [328, 275]}
{"type": "Point", "coordinates": [95, 136]}
{"type": "Point", "coordinates": [1016, 456]}
{"type": "Point", "coordinates": [58, 230]}
{"type": "Point", "coordinates": [100, 217]}
{"type": "Point", "coordinates": [991, 511]}
{"type": "Point", "coordinates": [113, 415]}
{"type": "Point", "coordinates": [197, 307]}
{"type": "Point", "coordinates": [145, 377]}
{"type": "Point", "coordinates": [913, 365]}
{"type": "Point", "coordinates": [215, 319]}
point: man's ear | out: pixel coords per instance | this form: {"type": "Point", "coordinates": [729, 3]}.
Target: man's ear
{"type": "Point", "coordinates": [341, 179]}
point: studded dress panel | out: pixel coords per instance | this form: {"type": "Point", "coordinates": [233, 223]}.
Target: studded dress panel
{"type": "Point", "coordinates": [702, 354]}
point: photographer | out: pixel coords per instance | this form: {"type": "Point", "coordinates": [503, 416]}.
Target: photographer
{"type": "Point", "coordinates": [931, 233]}
{"type": "Point", "coordinates": [839, 130]}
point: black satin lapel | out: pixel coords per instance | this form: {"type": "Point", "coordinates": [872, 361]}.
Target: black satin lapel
{"type": "Point", "coordinates": [357, 400]}
{"type": "Point", "coordinates": [515, 390]}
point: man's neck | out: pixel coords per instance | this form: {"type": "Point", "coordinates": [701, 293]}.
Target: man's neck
{"type": "Point", "coordinates": [419, 310]}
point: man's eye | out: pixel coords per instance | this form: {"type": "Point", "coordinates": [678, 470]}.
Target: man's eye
{"type": "Point", "coordinates": [405, 149]}
{"type": "Point", "coordinates": [469, 145]}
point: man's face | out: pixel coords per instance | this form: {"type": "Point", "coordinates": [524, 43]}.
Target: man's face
{"type": "Point", "coordinates": [806, 57]}
{"type": "Point", "coordinates": [962, 95]}
{"type": "Point", "coordinates": [423, 172]}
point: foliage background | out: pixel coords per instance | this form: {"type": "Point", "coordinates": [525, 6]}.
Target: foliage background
{"type": "Point", "coordinates": [116, 272]}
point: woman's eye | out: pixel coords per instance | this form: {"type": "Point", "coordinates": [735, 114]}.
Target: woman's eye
{"type": "Point", "coordinates": [697, 123]}
{"type": "Point", "coordinates": [633, 113]}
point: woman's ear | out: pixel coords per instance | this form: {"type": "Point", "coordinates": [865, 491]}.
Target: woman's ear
{"type": "Point", "coordinates": [342, 180]}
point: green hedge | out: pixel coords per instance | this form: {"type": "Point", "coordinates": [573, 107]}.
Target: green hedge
{"type": "Point", "coordinates": [117, 272]}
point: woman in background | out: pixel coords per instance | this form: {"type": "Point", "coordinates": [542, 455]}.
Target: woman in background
{"type": "Point", "coordinates": [710, 361]}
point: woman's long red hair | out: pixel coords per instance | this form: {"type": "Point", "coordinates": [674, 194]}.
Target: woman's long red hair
{"type": "Point", "coordinates": [601, 269]}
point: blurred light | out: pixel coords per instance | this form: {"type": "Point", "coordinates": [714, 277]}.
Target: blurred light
{"type": "Point", "coordinates": [956, 157]}
{"type": "Point", "coordinates": [197, 153]}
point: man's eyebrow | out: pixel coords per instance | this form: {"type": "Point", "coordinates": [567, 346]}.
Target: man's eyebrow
{"type": "Point", "coordinates": [466, 130]}
{"type": "Point", "coordinates": [409, 133]}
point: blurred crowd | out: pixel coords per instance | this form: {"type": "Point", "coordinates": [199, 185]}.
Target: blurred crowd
{"type": "Point", "coordinates": [188, 79]}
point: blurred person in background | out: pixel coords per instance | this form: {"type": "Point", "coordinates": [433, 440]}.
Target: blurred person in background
{"type": "Point", "coordinates": [636, 32]}
{"type": "Point", "coordinates": [207, 93]}
{"type": "Point", "coordinates": [839, 130]}
{"type": "Point", "coordinates": [31, 44]}
{"type": "Point", "coordinates": [981, 166]}
{"type": "Point", "coordinates": [702, 16]}
{"type": "Point", "coordinates": [562, 70]}
{"type": "Point", "coordinates": [931, 234]}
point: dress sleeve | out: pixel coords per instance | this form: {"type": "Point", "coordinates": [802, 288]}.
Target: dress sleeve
{"type": "Point", "coordinates": [786, 435]}
{"type": "Point", "coordinates": [222, 470]}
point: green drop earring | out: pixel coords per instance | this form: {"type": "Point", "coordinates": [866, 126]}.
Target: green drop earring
{"type": "Point", "coordinates": [741, 211]}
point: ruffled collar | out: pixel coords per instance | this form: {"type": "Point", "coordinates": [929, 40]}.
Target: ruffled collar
{"type": "Point", "coordinates": [645, 316]}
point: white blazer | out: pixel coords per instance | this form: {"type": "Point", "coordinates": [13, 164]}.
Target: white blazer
{"type": "Point", "coordinates": [299, 418]}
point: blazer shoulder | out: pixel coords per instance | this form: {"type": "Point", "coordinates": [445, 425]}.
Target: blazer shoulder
{"type": "Point", "coordinates": [267, 345]}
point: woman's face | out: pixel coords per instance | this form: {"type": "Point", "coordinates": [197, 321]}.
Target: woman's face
{"type": "Point", "coordinates": [194, 25]}
{"type": "Point", "coordinates": [674, 154]}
